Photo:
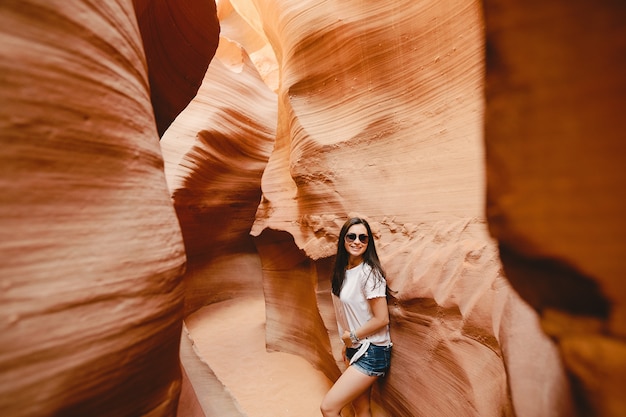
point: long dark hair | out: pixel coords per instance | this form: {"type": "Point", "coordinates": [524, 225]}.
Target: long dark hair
{"type": "Point", "coordinates": [370, 256]}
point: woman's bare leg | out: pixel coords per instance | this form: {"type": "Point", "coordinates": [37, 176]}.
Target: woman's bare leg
{"type": "Point", "coordinates": [362, 407]}
{"type": "Point", "coordinates": [350, 385]}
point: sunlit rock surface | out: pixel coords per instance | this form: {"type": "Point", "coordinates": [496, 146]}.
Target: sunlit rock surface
{"type": "Point", "coordinates": [215, 154]}
{"type": "Point", "coordinates": [378, 112]}
{"type": "Point", "coordinates": [556, 95]}
{"type": "Point", "coordinates": [92, 253]}
{"type": "Point", "coordinates": [310, 112]}
{"type": "Point", "coordinates": [390, 127]}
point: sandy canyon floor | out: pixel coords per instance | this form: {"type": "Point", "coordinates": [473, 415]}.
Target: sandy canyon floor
{"type": "Point", "coordinates": [230, 337]}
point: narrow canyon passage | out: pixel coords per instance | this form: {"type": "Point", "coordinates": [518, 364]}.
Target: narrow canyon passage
{"type": "Point", "coordinates": [161, 157]}
{"type": "Point", "coordinates": [230, 337]}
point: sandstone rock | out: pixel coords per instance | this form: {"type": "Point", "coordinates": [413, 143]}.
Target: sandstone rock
{"type": "Point", "coordinates": [179, 40]}
{"type": "Point", "coordinates": [554, 131]}
{"type": "Point", "coordinates": [92, 252]}
{"type": "Point", "coordinates": [215, 154]}
{"type": "Point", "coordinates": [312, 112]}
{"type": "Point", "coordinates": [379, 113]}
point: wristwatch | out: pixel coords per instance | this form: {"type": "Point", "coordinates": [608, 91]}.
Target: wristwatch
{"type": "Point", "coordinates": [353, 338]}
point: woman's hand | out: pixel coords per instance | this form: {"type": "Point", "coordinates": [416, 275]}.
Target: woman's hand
{"type": "Point", "coordinates": [345, 338]}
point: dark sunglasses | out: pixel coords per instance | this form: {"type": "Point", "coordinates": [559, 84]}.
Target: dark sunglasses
{"type": "Point", "coordinates": [351, 237]}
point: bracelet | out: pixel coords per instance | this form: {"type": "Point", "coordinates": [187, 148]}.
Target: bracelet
{"type": "Point", "coordinates": [353, 338]}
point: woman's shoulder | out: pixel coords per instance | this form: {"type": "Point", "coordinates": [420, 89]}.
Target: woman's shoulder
{"type": "Point", "coordinates": [369, 271]}
{"type": "Point", "coordinates": [367, 268]}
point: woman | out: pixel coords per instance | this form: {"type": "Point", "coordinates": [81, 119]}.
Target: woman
{"type": "Point", "coordinates": [359, 295]}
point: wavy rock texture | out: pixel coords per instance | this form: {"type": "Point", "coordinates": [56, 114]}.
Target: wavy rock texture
{"type": "Point", "coordinates": [554, 131]}
{"type": "Point", "coordinates": [215, 154]}
{"type": "Point", "coordinates": [390, 127]}
{"type": "Point", "coordinates": [179, 39]}
{"type": "Point", "coordinates": [311, 111]}
{"type": "Point", "coordinates": [92, 252]}
{"type": "Point", "coordinates": [379, 112]}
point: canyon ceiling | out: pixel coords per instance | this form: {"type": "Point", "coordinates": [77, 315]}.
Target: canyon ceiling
{"type": "Point", "coordinates": [162, 157]}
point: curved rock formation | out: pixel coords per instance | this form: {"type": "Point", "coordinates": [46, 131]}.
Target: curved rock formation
{"type": "Point", "coordinates": [92, 252]}
{"type": "Point", "coordinates": [179, 39]}
{"type": "Point", "coordinates": [312, 112]}
{"type": "Point", "coordinates": [379, 113]}
{"type": "Point", "coordinates": [390, 127]}
{"type": "Point", "coordinates": [554, 131]}
{"type": "Point", "coordinates": [215, 154]}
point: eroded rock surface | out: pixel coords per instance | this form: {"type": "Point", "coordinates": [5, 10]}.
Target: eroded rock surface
{"type": "Point", "coordinates": [179, 40]}
{"type": "Point", "coordinates": [312, 112]}
{"type": "Point", "coordinates": [554, 130]}
{"type": "Point", "coordinates": [379, 113]}
{"type": "Point", "coordinates": [215, 154]}
{"type": "Point", "coordinates": [92, 255]}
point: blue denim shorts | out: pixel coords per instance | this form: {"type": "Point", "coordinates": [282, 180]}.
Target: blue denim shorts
{"type": "Point", "coordinates": [374, 362]}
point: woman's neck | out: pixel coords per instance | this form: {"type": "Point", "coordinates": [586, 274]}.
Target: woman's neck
{"type": "Point", "coordinates": [354, 262]}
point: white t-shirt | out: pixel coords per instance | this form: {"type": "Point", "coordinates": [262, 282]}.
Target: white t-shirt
{"type": "Point", "coordinates": [352, 308]}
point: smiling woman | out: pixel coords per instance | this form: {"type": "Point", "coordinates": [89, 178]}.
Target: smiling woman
{"type": "Point", "coordinates": [359, 296]}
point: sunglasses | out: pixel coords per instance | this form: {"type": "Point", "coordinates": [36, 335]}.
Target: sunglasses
{"type": "Point", "coordinates": [351, 237]}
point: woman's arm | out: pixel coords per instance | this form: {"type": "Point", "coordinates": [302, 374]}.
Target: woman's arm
{"type": "Point", "coordinates": [379, 320]}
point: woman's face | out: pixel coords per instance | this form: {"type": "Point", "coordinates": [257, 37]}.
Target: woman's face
{"type": "Point", "coordinates": [353, 241]}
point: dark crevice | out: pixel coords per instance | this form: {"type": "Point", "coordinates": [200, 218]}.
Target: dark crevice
{"type": "Point", "coordinates": [550, 283]}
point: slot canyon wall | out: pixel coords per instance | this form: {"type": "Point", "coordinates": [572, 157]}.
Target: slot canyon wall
{"type": "Point", "coordinates": [92, 255]}
{"type": "Point", "coordinates": [379, 112]}
{"type": "Point", "coordinates": [369, 109]}
{"type": "Point", "coordinates": [555, 146]}
{"type": "Point", "coordinates": [485, 171]}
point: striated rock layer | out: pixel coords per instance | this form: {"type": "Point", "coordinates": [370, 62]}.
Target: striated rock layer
{"type": "Point", "coordinates": [378, 112]}
{"type": "Point", "coordinates": [311, 112]}
{"type": "Point", "coordinates": [179, 39]}
{"type": "Point", "coordinates": [92, 252]}
{"type": "Point", "coordinates": [554, 131]}
{"type": "Point", "coordinates": [215, 153]}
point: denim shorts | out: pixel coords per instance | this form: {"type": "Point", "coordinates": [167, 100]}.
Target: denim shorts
{"type": "Point", "coordinates": [374, 362]}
